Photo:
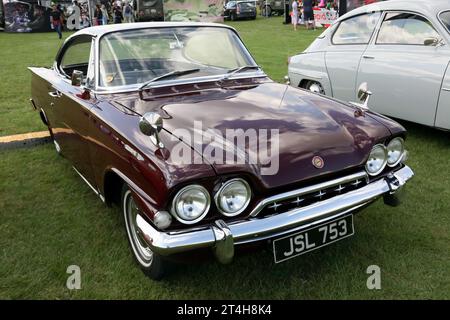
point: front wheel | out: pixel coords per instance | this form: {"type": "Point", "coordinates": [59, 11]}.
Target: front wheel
{"type": "Point", "coordinates": [151, 263]}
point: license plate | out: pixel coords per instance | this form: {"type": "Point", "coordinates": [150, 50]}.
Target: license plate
{"type": "Point", "coordinates": [314, 238]}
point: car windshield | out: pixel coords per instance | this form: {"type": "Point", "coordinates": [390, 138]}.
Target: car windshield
{"type": "Point", "coordinates": [134, 57]}
{"type": "Point", "coordinates": [445, 18]}
{"type": "Point", "coordinates": [246, 5]}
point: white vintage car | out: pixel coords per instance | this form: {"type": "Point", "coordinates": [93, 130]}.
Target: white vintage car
{"type": "Point", "coordinates": [401, 48]}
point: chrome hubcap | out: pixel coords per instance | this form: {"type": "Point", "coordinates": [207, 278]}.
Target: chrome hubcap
{"type": "Point", "coordinates": [142, 251]}
{"type": "Point", "coordinates": [316, 88]}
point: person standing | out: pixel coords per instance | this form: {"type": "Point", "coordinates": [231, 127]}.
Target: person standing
{"type": "Point", "coordinates": [118, 17]}
{"type": "Point", "coordinates": [104, 14]}
{"type": "Point", "coordinates": [128, 13]}
{"type": "Point", "coordinates": [295, 14]}
{"type": "Point", "coordinates": [56, 20]}
{"type": "Point", "coordinates": [308, 14]}
{"type": "Point", "coordinates": [98, 15]}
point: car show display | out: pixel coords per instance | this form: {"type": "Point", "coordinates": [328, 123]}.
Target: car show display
{"type": "Point", "coordinates": [127, 120]}
{"type": "Point", "coordinates": [400, 48]}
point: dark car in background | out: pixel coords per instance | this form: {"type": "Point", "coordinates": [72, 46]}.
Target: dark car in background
{"type": "Point", "coordinates": [235, 10]}
{"type": "Point", "coordinates": [149, 10]}
{"type": "Point", "coordinates": [270, 7]}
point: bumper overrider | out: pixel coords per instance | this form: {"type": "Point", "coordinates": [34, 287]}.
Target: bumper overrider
{"type": "Point", "coordinates": [222, 237]}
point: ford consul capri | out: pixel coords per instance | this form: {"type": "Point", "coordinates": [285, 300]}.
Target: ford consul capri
{"type": "Point", "coordinates": [401, 48]}
{"type": "Point", "coordinates": [178, 125]}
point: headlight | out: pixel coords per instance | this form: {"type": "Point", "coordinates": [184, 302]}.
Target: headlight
{"type": "Point", "coordinates": [233, 197]}
{"type": "Point", "coordinates": [377, 160]}
{"type": "Point", "coordinates": [191, 204]}
{"type": "Point", "coordinates": [395, 151]}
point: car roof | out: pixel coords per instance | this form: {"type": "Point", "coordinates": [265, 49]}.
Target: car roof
{"type": "Point", "coordinates": [101, 30]}
{"type": "Point", "coordinates": [427, 7]}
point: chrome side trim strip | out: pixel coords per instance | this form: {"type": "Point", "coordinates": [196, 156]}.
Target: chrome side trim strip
{"type": "Point", "coordinates": [446, 89]}
{"type": "Point", "coordinates": [90, 185]}
{"type": "Point", "coordinates": [306, 190]}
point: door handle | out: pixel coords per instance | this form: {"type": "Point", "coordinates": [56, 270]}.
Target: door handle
{"type": "Point", "coordinates": [368, 57]}
{"type": "Point", "coordinates": [55, 94]}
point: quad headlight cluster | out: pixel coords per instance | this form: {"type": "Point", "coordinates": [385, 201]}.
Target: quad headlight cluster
{"type": "Point", "coordinates": [381, 155]}
{"type": "Point", "coordinates": [192, 203]}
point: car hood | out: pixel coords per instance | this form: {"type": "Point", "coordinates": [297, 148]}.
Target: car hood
{"type": "Point", "coordinates": [308, 125]}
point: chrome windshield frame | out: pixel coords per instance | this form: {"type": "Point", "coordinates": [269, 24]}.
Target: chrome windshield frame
{"type": "Point", "coordinates": [165, 83]}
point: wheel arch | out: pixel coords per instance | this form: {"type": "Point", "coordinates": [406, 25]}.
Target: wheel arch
{"type": "Point", "coordinates": [309, 66]}
{"type": "Point", "coordinates": [114, 179]}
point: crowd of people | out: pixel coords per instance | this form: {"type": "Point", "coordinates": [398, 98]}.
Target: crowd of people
{"type": "Point", "coordinates": [303, 11]}
{"type": "Point", "coordinates": [115, 11]}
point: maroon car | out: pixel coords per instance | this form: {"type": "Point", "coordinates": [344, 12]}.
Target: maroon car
{"type": "Point", "coordinates": [177, 124]}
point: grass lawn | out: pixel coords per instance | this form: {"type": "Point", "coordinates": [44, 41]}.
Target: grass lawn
{"type": "Point", "coordinates": [49, 219]}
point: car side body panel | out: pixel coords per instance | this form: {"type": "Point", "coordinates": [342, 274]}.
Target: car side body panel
{"type": "Point", "coordinates": [310, 67]}
{"type": "Point", "coordinates": [443, 111]}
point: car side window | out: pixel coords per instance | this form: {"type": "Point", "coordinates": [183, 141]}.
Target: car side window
{"type": "Point", "coordinates": [445, 19]}
{"type": "Point", "coordinates": [406, 29]}
{"type": "Point", "coordinates": [356, 30]}
{"type": "Point", "coordinates": [76, 56]}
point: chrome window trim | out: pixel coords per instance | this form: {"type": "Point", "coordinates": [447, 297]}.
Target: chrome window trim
{"type": "Point", "coordinates": [354, 16]}
{"type": "Point", "coordinates": [99, 89]}
{"type": "Point", "coordinates": [385, 13]}
{"type": "Point", "coordinates": [309, 189]}
{"type": "Point", "coordinates": [440, 20]}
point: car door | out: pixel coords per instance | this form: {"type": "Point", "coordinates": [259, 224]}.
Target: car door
{"type": "Point", "coordinates": [71, 110]}
{"type": "Point", "coordinates": [342, 57]}
{"type": "Point", "coordinates": [404, 67]}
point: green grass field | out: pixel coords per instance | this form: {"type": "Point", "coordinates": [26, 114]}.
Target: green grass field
{"type": "Point", "coordinates": [49, 219]}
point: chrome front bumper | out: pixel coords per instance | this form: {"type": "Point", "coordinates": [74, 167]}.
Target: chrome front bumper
{"type": "Point", "coordinates": [222, 237]}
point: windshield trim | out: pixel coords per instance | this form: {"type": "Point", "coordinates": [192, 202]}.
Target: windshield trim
{"type": "Point", "coordinates": [136, 86]}
{"type": "Point", "coordinates": [442, 22]}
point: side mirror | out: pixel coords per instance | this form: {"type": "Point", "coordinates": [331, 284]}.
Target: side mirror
{"type": "Point", "coordinates": [363, 95]}
{"type": "Point", "coordinates": [77, 78]}
{"type": "Point", "coordinates": [151, 124]}
{"type": "Point", "coordinates": [363, 92]}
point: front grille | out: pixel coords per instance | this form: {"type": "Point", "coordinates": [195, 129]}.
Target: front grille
{"type": "Point", "coordinates": [310, 195]}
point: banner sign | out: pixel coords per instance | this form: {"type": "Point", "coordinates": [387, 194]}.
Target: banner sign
{"type": "Point", "coordinates": [325, 17]}
{"type": "Point", "coordinates": [194, 10]}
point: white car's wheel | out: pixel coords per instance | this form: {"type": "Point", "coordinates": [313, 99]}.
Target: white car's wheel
{"type": "Point", "coordinates": [315, 87]}
{"type": "Point", "coordinates": [150, 262]}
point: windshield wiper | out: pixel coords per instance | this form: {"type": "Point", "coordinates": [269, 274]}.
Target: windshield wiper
{"type": "Point", "coordinates": [168, 75]}
{"type": "Point", "coordinates": [237, 70]}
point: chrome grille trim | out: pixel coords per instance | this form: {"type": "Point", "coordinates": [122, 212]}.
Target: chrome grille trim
{"type": "Point", "coordinates": [309, 189]}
